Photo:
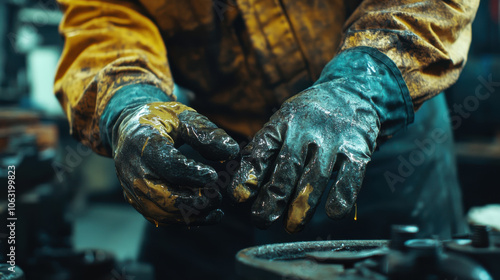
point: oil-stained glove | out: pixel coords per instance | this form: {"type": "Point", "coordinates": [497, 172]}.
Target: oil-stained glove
{"type": "Point", "coordinates": [143, 131]}
{"type": "Point", "coordinates": [360, 98]}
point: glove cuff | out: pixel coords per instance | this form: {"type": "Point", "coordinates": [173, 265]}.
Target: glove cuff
{"type": "Point", "coordinates": [126, 98]}
{"type": "Point", "coordinates": [375, 77]}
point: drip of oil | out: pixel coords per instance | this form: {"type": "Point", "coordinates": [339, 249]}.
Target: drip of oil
{"type": "Point", "coordinates": [355, 211]}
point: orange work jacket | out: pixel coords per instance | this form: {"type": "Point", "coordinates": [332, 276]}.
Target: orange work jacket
{"type": "Point", "coordinates": [243, 58]}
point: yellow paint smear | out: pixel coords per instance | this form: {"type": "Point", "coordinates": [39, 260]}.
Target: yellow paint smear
{"type": "Point", "coordinates": [143, 147]}
{"type": "Point", "coordinates": [252, 179]}
{"type": "Point", "coordinates": [162, 116]}
{"type": "Point", "coordinates": [159, 202]}
{"type": "Point", "coordinates": [298, 209]}
{"type": "Point", "coordinates": [241, 193]}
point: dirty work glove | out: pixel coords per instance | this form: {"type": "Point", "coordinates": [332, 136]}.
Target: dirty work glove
{"type": "Point", "coordinates": [333, 125]}
{"type": "Point", "coordinates": [143, 131]}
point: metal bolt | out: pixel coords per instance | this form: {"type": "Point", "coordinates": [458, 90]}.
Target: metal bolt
{"type": "Point", "coordinates": [400, 234]}
{"type": "Point", "coordinates": [480, 238]}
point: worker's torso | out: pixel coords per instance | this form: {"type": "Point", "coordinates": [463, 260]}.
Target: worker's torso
{"type": "Point", "coordinates": [243, 58]}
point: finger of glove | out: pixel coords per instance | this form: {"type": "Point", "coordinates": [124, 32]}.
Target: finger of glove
{"type": "Point", "coordinates": [344, 192]}
{"type": "Point", "coordinates": [160, 202]}
{"type": "Point", "coordinates": [210, 141]}
{"type": "Point", "coordinates": [275, 194]}
{"type": "Point", "coordinates": [169, 163]}
{"type": "Point", "coordinates": [309, 190]}
{"type": "Point", "coordinates": [257, 159]}
{"type": "Point", "coordinates": [163, 218]}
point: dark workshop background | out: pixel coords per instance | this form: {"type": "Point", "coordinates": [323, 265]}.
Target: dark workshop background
{"type": "Point", "coordinates": [69, 200]}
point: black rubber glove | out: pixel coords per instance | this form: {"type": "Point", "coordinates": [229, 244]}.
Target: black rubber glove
{"type": "Point", "coordinates": [143, 131]}
{"type": "Point", "coordinates": [334, 125]}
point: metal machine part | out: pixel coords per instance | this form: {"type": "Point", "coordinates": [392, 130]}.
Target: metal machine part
{"type": "Point", "coordinates": [43, 245]}
{"type": "Point", "coordinates": [403, 257]}
{"type": "Point", "coordinates": [302, 260]}
{"type": "Point", "coordinates": [483, 247]}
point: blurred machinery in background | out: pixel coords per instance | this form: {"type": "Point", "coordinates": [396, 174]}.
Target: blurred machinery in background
{"type": "Point", "coordinates": [32, 132]}
{"type": "Point", "coordinates": [43, 232]}
{"type": "Point", "coordinates": [29, 52]}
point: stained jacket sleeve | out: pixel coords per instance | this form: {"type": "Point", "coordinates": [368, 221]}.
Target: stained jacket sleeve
{"type": "Point", "coordinates": [427, 40]}
{"type": "Point", "coordinates": [108, 45]}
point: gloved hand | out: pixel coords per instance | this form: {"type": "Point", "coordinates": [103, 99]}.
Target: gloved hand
{"type": "Point", "coordinates": [334, 125]}
{"type": "Point", "coordinates": [157, 180]}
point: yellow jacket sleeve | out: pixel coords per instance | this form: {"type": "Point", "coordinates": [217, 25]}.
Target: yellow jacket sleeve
{"type": "Point", "coordinates": [428, 40]}
{"type": "Point", "coordinates": [108, 44]}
